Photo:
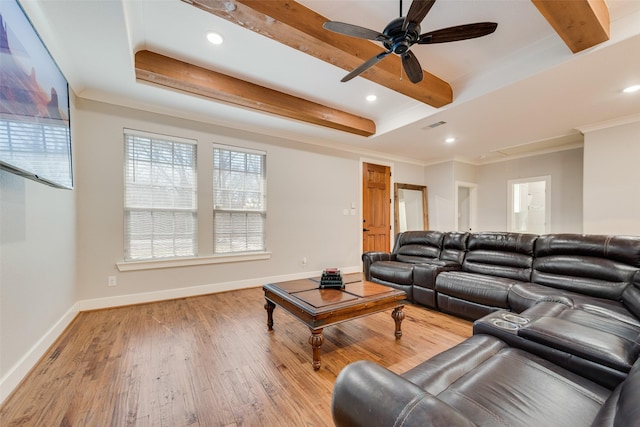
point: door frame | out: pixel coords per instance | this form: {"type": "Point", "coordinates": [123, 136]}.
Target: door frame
{"type": "Point", "coordinates": [473, 205]}
{"type": "Point", "coordinates": [390, 165]}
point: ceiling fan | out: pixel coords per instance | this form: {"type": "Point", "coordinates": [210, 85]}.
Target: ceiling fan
{"type": "Point", "coordinates": [403, 32]}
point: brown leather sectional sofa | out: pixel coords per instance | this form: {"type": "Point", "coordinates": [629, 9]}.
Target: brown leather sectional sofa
{"type": "Point", "coordinates": [556, 333]}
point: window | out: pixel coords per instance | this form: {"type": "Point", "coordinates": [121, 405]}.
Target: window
{"type": "Point", "coordinates": [239, 200]}
{"type": "Point", "coordinates": [40, 151]}
{"type": "Point", "coordinates": [160, 214]}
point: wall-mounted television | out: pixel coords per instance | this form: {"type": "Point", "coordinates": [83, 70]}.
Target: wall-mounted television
{"type": "Point", "coordinates": [35, 133]}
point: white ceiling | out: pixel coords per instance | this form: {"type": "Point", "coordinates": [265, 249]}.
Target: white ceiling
{"type": "Point", "coordinates": [520, 85]}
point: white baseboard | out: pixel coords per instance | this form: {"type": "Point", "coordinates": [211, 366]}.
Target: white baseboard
{"type": "Point", "coordinates": [17, 373]}
{"type": "Point", "coordinates": [20, 370]}
{"type": "Point", "coordinates": [145, 297]}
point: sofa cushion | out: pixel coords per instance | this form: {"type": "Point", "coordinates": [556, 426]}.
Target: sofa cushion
{"type": "Point", "coordinates": [414, 246]}
{"type": "Point", "coordinates": [622, 249]}
{"type": "Point", "coordinates": [454, 246]}
{"type": "Point", "coordinates": [602, 319]}
{"type": "Point", "coordinates": [596, 265]}
{"type": "Point", "coordinates": [478, 288]}
{"type": "Point", "coordinates": [514, 388]}
{"type": "Point", "coordinates": [392, 271]}
{"type": "Point", "coordinates": [506, 255]}
{"type": "Point", "coordinates": [525, 295]}
{"type": "Point", "coordinates": [607, 349]}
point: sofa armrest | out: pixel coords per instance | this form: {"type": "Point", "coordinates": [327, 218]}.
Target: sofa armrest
{"type": "Point", "coordinates": [424, 275]}
{"type": "Point", "coordinates": [369, 258]}
{"type": "Point", "coordinates": [367, 394]}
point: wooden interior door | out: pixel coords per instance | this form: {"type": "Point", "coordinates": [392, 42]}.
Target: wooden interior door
{"type": "Point", "coordinates": [376, 207]}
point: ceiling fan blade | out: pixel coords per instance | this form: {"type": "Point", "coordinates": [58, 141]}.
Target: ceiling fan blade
{"type": "Point", "coordinates": [365, 66]}
{"type": "Point", "coordinates": [459, 32]}
{"type": "Point", "coordinates": [412, 67]}
{"type": "Point", "coordinates": [354, 31]}
{"type": "Point", "coordinates": [417, 11]}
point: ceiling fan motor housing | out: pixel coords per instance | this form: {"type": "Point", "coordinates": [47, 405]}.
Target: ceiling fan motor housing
{"type": "Point", "coordinates": [400, 41]}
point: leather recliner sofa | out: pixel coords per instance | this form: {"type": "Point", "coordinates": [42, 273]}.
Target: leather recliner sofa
{"type": "Point", "coordinates": [482, 382]}
{"type": "Point", "coordinates": [417, 257]}
{"type": "Point", "coordinates": [556, 340]}
{"type": "Point", "coordinates": [472, 275]}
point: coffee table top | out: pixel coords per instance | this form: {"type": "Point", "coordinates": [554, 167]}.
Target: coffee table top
{"type": "Point", "coordinates": [315, 306]}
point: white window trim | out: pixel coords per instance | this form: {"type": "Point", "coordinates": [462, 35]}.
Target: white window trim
{"type": "Point", "coordinates": [190, 261]}
{"type": "Point", "coordinates": [162, 136]}
{"type": "Point", "coordinates": [238, 149]}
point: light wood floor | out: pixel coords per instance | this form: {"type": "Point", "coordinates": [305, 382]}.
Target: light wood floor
{"type": "Point", "coordinates": [209, 361]}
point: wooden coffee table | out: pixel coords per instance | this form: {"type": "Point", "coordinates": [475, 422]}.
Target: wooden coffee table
{"type": "Point", "coordinates": [319, 308]}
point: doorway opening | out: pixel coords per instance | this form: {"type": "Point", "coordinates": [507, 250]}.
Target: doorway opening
{"type": "Point", "coordinates": [529, 207]}
{"type": "Point", "coordinates": [466, 206]}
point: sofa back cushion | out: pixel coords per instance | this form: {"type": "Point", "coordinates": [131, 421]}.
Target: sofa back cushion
{"type": "Point", "coordinates": [454, 246]}
{"type": "Point", "coordinates": [508, 255]}
{"type": "Point", "coordinates": [595, 265]}
{"type": "Point", "coordinates": [412, 246]}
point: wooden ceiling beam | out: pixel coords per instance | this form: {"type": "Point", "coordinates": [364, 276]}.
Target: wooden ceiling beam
{"type": "Point", "coordinates": [580, 23]}
{"type": "Point", "coordinates": [299, 27]}
{"type": "Point", "coordinates": [165, 71]}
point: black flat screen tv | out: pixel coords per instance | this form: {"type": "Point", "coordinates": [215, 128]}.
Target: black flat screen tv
{"type": "Point", "coordinates": [35, 133]}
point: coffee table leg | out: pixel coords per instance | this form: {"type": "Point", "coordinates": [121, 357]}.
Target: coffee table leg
{"type": "Point", "coordinates": [316, 339]}
{"type": "Point", "coordinates": [269, 306]}
{"type": "Point", "coordinates": [398, 316]}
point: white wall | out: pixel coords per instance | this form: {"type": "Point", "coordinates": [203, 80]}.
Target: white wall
{"type": "Point", "coordinates": [611, 189]}
{"type": "Point", "coordinates": [308, 189]}
{"type": "Point", "coordinates": [564, 167]}
{"type": "Point", "coordinates": [439, 180]}
{"type": "Point", "coordinates": [37, 272]}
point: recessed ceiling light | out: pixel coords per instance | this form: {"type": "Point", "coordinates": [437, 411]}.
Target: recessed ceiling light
{"type": "Point", "coordinates": [371, 98]}
{"type": "Point", "coordinates": [450, 140]}
{"type": "Point", "coordinates": [214, 38]}
{"type": "Point", "coordinates": [632, 89]}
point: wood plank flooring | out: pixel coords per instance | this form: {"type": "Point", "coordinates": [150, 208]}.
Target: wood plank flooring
{"type": "Point", "coordinates": [210, 361]}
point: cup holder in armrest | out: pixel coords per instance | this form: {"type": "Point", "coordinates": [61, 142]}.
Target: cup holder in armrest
{"type": "Point", "coordinates": [514, 318]}
{"type": "Point", "coordinates": [504, 324]}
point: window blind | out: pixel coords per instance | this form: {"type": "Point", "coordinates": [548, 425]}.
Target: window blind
{"type": "Point", "coordinates": [239, 200]}
{"type": "Point", "coordinates": [39, 149]}
{"type": "Point", "coordinates": [160, 197]}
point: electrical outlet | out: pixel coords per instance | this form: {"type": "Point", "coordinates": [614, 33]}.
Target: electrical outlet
{"type": "Point", "coordinates": [111, 281]}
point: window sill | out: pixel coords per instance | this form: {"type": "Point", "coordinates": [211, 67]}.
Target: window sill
{"type": "Point", "coordinates": [185, 262]}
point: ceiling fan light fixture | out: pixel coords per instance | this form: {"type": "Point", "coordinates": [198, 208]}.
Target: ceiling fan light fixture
{"type": "Point", "coordinates": [214, 38]}
{"type": "Point", "coordinates": [631, 89]}
{"type": "Point", "coordinates": [371, 98]}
